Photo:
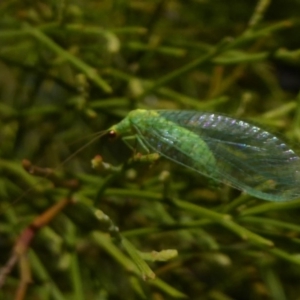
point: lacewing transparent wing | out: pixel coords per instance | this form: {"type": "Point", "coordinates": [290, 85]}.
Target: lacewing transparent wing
{"type": "Point", "coordinates": [226, 149]}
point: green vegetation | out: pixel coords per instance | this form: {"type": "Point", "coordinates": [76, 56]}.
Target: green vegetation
{"type": "Point", "coordinates": [134, 227]}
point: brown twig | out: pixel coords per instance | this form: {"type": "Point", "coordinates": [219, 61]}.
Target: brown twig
{"type": "Point", "coordinates": [50, 174]}
{"type": "Point", "coordinates": [19, 253]}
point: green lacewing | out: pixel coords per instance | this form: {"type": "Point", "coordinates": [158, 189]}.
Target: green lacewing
{"type": "Point", "coordinates": [226, 149]}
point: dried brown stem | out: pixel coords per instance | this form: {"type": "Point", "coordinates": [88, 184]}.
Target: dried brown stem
{"type": "Point", "coordinates": [19, 253]}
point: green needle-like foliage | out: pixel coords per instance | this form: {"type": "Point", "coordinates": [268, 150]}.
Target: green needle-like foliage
{"type": "Point", "coordinates": [137, 226]}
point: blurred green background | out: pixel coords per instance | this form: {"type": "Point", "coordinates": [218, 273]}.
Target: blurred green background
{"type": "Point", "coordinates": [69, 69]}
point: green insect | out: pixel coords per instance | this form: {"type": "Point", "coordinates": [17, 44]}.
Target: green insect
{"type": "Point", "coordinates": [226, 149]}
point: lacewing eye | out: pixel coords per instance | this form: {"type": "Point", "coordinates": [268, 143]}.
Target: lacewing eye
{"type": "Point", "coordinates": [112, 135]}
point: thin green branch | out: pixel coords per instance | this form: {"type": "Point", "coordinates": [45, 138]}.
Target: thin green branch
{"type": "Point", "coordinates": [222, 219]}
{"type": "Point", "coordinates": [76, 62]}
